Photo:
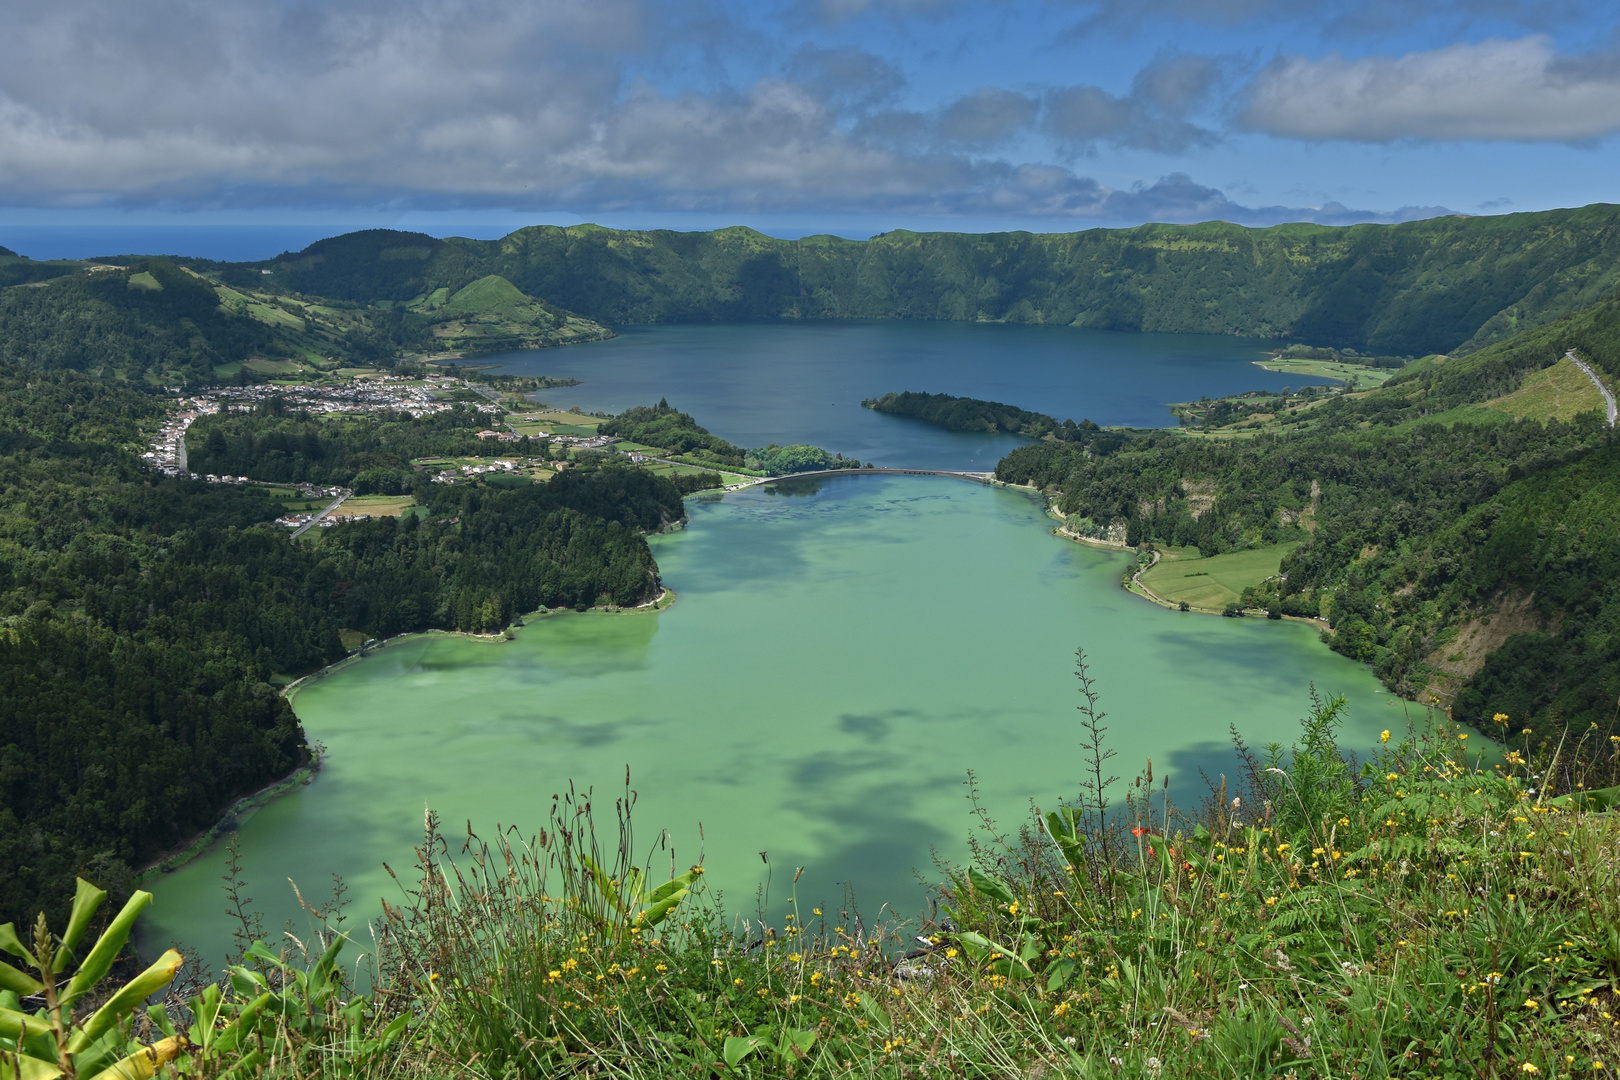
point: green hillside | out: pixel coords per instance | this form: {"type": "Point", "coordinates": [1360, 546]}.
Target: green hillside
{"type": "Point", "coordinates": [164, 321]}
{"type": "Point", "coordinates": [1446, 285]}
{"type": "Point", "coordinates": [491, 314]}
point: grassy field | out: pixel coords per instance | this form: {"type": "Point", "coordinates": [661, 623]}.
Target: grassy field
{"type": "Point", "coordinates": [293, 502]}
{"type": "Point", "coordinates": [377, 505]}
{"type": "Point", "coordinates": [1561, 391]}
{"type": "Point", "coordinates": [552, 422]}
{"type": "Point", "coordinates": [1210, 584]}
{"type": "Point", "coordinates": [1355, 376]}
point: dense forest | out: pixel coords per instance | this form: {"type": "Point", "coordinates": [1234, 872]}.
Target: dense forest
{"type": "Point", "coordinates": [973, 414]}
{"type": "Point", "coordinates": [669, 429]}
{"type": "Point", "coordinates": [676, 433]}
{"type": "Point", "coordinates": [153, 316]}
{"type": "Point", "coordinates": [142, 618]}
{"type": "Point", "coordinates": [1444, 285]}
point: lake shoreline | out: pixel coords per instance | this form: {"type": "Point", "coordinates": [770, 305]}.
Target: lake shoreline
{"type": "Point", "coordinates": [1135, 587]}
{"type": "Point", "coordinates": [199, 843]}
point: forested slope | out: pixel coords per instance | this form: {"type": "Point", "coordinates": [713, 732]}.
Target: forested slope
{"type": "Point", "coordinates": [1437, 286]}
{"type": "Point", "coordinates": [1461, 553]}
{"type": "Point", "coordinates": [141, 618]}
{"type": "Point", "coordinates": [161, 320]}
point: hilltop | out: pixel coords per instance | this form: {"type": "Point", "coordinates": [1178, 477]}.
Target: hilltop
{"type": "Point", "coordinates": [1448, 285]}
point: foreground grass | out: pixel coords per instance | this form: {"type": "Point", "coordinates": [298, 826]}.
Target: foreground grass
{"type": "Point", "coordinates": [1418, 914]}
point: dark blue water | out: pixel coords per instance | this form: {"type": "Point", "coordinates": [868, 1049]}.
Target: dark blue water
{"type": "Point", "coordinates": [755, 384]}
{"type": "Point", "coordinates": [222, 243]}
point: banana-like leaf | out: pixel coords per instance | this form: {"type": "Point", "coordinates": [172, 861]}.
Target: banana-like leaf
{"type": "Point", "coordinates": [19, 982]}
{"type": "Point", "coordinates": [1596, 800]}
{"type": "Point", "coordinates": [1063, 826]}
{"type": "Point", "coordinates": [981, 945]}
{"type": "Point", "coordinates": [244, 1022]}
{"type": "Point", "coordinates": [14, 1023]}
{"type": "Point", "coordinates": [654, 914]}
{"type": "Point", "coordinates": [145, 1062]}
{"type": "Point", "coordinates": [246, 981]}
{"type": "Point", "coordinates": [662, 900]}
{"type": "Point", "coordinates": [992, 887]}
{"type": "Point", "coordinates": [130, 995]}
{"type": "Point", "coordinates": [100, 961]}
{"type": "Point", "coordinates": [27, 1068]}
{"type": "Point", "coordinates": [9, 942]}
{"type": "Point", "coordinates": [674, 884]}
{"type": "Point", "coordinates": [604, 884]}
{"type": "Point", "coordinates": [205, 1009]}
{"type": "Point", "coordinates": [86, 900]}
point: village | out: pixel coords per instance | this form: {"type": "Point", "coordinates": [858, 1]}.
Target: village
{"type": "Point", "coordinates": [415, 396]}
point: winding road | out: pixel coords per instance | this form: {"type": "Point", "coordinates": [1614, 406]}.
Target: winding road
{"type": "Point", "coordinates": [1608, 398]}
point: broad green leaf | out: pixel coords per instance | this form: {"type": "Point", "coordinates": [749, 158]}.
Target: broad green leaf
{"type": "Point", "coordinates": [990, 886]}
{"type": "Point", "coordinates": [12, 1023]}
{"type": "Point", "coordinates": [126, 999]}
{"type": "Point", "coordinates": [9, 942]}
{"type": "Point", "coordinates": [231, 1037]}
{"type": "Point", "coordinates": [604, 884]}
{"type": "Point", "coordinates": [1058, 974]}
{"type": "Point", "coordinates": [394, 1029]}
{"type": "Point", "coordinates": [1598, 799]}
{"type": "Point", "coordinates": [657, 913]}
{"type": "Point", "coordinates": [100, 961]}
{"type": "Point", "coordinates": [86, 901]}
{"type": "Point", "coordinates": [797, 1041]}
{"type": "Point", "coordinates": [27, 1068]}
{"type": "Point", "coordinates": [205, 1009]}
{"type": "Point", "coordinates": [260, 951]}
{"type": "Point", "coordinates": [740, 1046]}
{"type": "Point", "coordinates": [19, 982]}
{"type": "Point", "coordinates": [674, 884]}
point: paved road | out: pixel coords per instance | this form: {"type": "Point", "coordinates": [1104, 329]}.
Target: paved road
{"type": "Point", "coordinates": [1608, 398]}
{"type": "Point", "coordinates": [312, 522]}
{"type": "Point", "coordinates": [180, 453]}
{"type": "Point", "coordinates": [980, 477]}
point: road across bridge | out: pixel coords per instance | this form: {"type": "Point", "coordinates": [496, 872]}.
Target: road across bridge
{"type": "Point", "coordinates": [978, 477]}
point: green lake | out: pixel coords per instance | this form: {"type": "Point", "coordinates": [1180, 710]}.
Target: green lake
{"type": "Point", "coordinates": [836, 663]}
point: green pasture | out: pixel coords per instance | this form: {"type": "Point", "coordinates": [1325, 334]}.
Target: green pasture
{"type": "Point", "coordinates": [1356, 376]}
{"type": "Point", "coordinates": [1212, 583]}
{"type": "Point", "coordinates": [1562, 391]}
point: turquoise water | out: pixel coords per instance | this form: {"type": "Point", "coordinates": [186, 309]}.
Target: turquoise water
{"type": "Point", "coordinates": [836, 663]}
{"type": "Point", "coordinates": [803, 383]}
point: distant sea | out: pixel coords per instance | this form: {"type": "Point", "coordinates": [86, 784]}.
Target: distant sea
{"type": "Point", "coordinates": [224, 243]}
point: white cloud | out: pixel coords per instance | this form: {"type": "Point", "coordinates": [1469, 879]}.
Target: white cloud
{"type": "Point", "coordinates": [1496, 89]}
{"type": "Point", "coordinates": [538, 105]}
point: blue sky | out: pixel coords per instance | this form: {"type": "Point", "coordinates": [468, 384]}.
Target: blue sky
{"type": "Point", "coordinates": [849, 116]}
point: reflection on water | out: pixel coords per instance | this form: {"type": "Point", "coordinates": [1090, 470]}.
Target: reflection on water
{"type": "Point", "coordinates": [803, 486]}
{"type": "Point", "coordinates": [836, 663]}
